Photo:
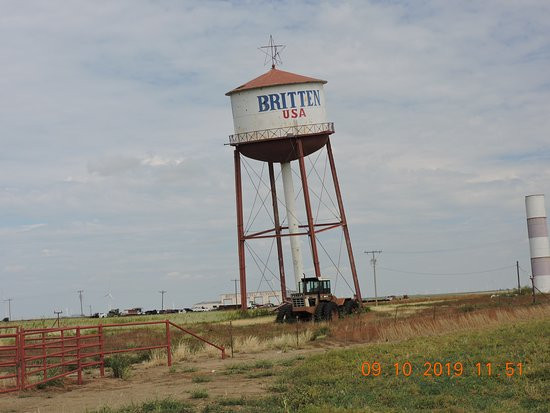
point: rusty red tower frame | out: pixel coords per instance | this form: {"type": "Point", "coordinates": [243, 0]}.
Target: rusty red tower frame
{"type": "Point", "coordinates": [269, 127]}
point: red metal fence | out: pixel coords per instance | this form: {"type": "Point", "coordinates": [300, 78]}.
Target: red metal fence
{"type": "Point", "coordinates": [33, 357]}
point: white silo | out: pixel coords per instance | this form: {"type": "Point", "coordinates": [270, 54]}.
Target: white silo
{"type": "Point", "coordinates": [538, 241]}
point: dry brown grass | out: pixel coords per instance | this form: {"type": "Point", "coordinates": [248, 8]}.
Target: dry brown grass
{"type": "Point", "coordinates": [284, 342]}
{"type": "Point", "coordinates": [375, 329]}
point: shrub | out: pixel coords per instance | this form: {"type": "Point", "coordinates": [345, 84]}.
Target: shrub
{"type": "Point", "coordinates": [199, 394]}
{"type": "Point", "coordinates": [232, 401]}
{"type": "Point", "coordinates": [263, 364]}
{"type": "Point", "coordinates": [55, 382]}
{"type": "Point", "coordinates": [201, 379]}
{"type": "Point", "coordinates": [120, 365]}
{"type": "Point", "coordinates": [189, 370]}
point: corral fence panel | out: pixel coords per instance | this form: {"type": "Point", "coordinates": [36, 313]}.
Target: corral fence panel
{"type": "Point", "coordinates": [33, 357]}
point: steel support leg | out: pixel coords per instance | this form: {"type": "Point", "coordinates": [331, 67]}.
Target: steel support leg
{"type": "Point", "coordinates": [344, 222]}
{"type": "Point", "coordinates": [240, 228]}
{"type": "Point", "coordinates": [277, 231]}
{"type": "Point", "coordinates": [311, 228]}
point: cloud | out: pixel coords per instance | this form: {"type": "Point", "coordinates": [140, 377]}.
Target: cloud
{"type": "Point", "coordinates": [31, 227]}
{"type": "Point", "coordinates": [178, 276]}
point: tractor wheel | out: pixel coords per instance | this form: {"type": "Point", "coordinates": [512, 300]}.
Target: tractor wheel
{"type": "Point", "coordinates": [285, 314]}
{"type": "Point", "coordinates": [319, 311]}
{"type": "Point", "coordinates": [350, 307]}
{"type": "Point", "coordinates": [330, 311]}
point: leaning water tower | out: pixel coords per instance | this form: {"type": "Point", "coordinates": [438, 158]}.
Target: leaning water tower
{"type": "Point", "coordinates": [280, 118]}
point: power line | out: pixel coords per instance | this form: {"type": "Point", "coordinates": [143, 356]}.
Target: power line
{"type": "Point", "coordinates": [524, 270]}
{"type": "Point", "coordinates": [443, 250]}
{"type": "Point", "coordinates": [57, 313]}
{"type": "Point", "coordinates": [373, 262]}
{"type": "Point", "coordinates": [451, 274]}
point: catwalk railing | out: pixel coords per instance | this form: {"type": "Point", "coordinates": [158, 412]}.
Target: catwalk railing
{"type": "Point", "coordinates": [285, 132]}
{"type": "Point", "coordinates": [33, 357]}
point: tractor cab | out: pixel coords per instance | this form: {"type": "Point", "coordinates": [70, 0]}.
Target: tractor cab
{"type": "Point", "coordinates": [314, 285]}
{"type": "Point", "coordinates": [311, 291]}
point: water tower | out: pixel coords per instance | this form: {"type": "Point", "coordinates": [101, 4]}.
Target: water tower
{"type": "Point", "coordinates": [280, 118]}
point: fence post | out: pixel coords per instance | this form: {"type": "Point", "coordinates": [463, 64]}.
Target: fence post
{"type": "Point", "coordinates": [297, 334]}
{"type": "Point", "coordinates": [23, 367]}
{"type": "Point", "coordinates": [44, 358]}
{"type": "Point", "coordinates": [79, 361]}
{"type": "Point", "coordinates": [101, 354]}
{"type": "Point", "coordinates": [168, 344]}
{"type": "Point", "coordinates": [17, 357]}
{"type": "Point", "coordinates": [230, 339]}
{"type": "Point", "coordinates": [63, 368]}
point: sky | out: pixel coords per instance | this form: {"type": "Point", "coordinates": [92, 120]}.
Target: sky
{"type": "Point", "coordinates": [114, 176]}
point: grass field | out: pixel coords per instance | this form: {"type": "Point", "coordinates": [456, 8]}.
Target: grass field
{"type": "Point", "coordinates": [178, 318]}
{"type": "Point", "coordinates": [276, 367]}
{"type": "Point", "coordinates": [335, 382]}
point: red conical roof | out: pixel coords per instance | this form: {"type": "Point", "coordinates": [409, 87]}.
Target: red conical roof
{"type": "Point", "coordinates": [273, 78]}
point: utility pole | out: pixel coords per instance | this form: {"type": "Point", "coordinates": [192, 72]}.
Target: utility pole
{"type": "Point", "coordinates": [162, 292]}
{"type": "Point", "coordinates": [373, 262]}
{"type": "Point", "coordinates": [57, 313]}
{"type": "Point", "coordinates": [80, 296]}
{"type": "Point", "coordinates": [9, 300]}
{"type": "Point", "coordinates": [236, 301]}
{"type": "Point", "coordinates": [517, 270]}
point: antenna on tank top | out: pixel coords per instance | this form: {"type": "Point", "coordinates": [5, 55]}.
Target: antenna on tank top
{"type": "Point", "coordinates": [272, 52]}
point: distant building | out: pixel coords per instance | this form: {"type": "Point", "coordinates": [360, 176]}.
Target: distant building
{"type": "Point", "coordinates": [256, 298]}
{"type": "Point", "coordinates": [133, 311]}
{"type": "Point", "coordinates": [206, 306]}
{"type": "Point", "coordinates": [229, 300]}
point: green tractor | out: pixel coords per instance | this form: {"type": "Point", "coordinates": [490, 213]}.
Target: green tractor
{"type": "Point", "coordinates": [314, 300]}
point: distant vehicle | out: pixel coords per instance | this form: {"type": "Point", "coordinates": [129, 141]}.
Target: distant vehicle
{"type": "Point", "coordinates": [115, 312]}
{"type": "Point", "coordinates": [6, 320]}
{"type": "Point", "coordinates": [151, 312]}
{"type": "Point", "coordinates": [99, 315]}
{"type": "Point", "coordinates": [201, 309]}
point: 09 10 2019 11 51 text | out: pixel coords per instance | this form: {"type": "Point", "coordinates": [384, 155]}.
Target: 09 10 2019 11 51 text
{"type": "Point", "coordinates": [442, 369]}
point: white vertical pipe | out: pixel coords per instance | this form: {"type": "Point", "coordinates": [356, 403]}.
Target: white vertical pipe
{"type": "Point", "coordinates": [538, 241]}
{"type": "Point", "coordinates": [295, 244]}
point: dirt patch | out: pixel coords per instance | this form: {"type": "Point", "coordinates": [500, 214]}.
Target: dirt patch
{"type": "Point", "coordinates": [149, 383]}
